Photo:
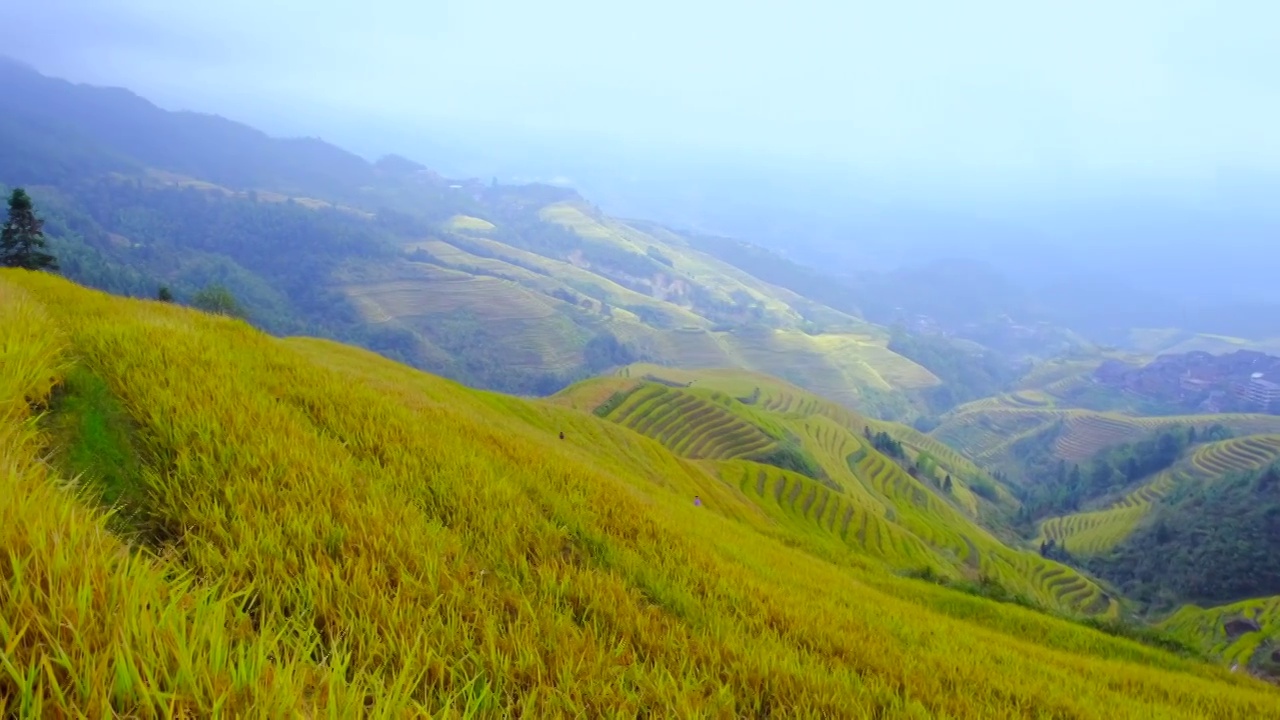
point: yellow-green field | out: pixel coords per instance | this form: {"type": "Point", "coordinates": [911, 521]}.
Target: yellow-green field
{"type": "Point", "coordinates": [1206, 628]}
{"type": "Point", "coordinates": [312, 530]}
{"type": "Point", "coordinates": [785, 399]}
{"type": "Point", "coordinates": [1156, 341]}
{"type": "Point", "coordinates": [988, 428]}
{"type": "Point", "coordinates": [541, 311]}
{"type": "Point", "coordinates": [466, 223]}
{"type": "Point", "coordinates": [1097, 531]}
{"type": "Point", "coordinates": [865, 499]}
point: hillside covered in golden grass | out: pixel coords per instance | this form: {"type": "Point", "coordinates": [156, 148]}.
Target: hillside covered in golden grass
{"type": "Point", "coordinates": [200, 519]}
{"type": "Point", "coordinates": [535, 285]}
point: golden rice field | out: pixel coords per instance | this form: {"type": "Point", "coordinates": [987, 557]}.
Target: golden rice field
{"type": "Point", "coordinates": [718, 277]}
{"type": "Point", "coordinates": [690, 424]}
{"type": "Point", "coordinates": [785, 400]}
{"type": "Point", "coordinates": [986, 429]}
{"type": "Point", "coordinates": [311, 530]}
{"type": "Point", "coordinates": [865, 499]}
{"type": "Point", "coordinates": [521, 298]}
{"type": "Point", "coordinates": [1097, 531]}
{"type": "Point", "coordinates": [466, 223]}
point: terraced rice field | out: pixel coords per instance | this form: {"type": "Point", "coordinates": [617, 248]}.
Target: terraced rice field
{"type": "Point", "coordinates": [1091, 533]}
{"type": "Point", "coordinates": [838, 367]}
{"type": "Point", "coordinates": [1094, 532]}
{"type": "Point", "coordinates": [868, 502]}
{"type": "Point", "coordinates": [792, 404]}
{"type": "Point", "coordinates": [801, 499]}
{"type": "Point", "coordinates": [1067, 386]}
{"type": "Point", "coordinates": [1029, 398]}
{"type": "Point", "coordinates": [831, 439]}
{"type": "Point", "coordinates": [1045, 374]}
{"type": "Point", "coordinates": [690, 425]}
{"type": "Point", "coordinates": [985, 432]}
{"type": "Point", "coordinates": [982, 434]}
{"type": "Point", "coordinates": [916, 508]}
{"type": "Point", "coordinates": [1204, 628]}
{"type": "Point", "coordinates": [1237, 455]}
{"type": "Point", "coordinates": [545, 275]}
{"type": "Point", "coordinates": [788, 401]}
{"type": "Point", "coordinates": [466, 223]}
{"type": "Point", "coordinates": [1052, 582]}
{"type": "Point", "coordinates": [721, 280]}
{"type": "Point", "coordinates": [1086, 434]}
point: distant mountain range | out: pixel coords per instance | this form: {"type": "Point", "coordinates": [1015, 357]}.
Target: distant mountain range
{"type": "Point", "coordinates": [522, 288]}
{"type": "Point", "coordinates": [519, 288]}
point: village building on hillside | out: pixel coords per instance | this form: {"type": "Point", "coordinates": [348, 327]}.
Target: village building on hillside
{"type": "Point", "coordinates": [1263, 393]}
{"type": "Point", "coordinates": [1243, 381]}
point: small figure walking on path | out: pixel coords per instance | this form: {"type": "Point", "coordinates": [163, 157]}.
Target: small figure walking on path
{"type": "Point", "coordinates": [697, 501]}
{"type": "Point", "coordinates": [561, 434]}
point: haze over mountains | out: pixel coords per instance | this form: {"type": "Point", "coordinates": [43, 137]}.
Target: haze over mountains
{"type": "Point", "coordinates": [848, 360]}
{"type": "Point", "coordinates": [1128, 187]}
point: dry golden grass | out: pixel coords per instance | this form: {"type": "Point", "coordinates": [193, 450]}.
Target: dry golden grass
{"type": "Point", "coordinates": [333, 534]}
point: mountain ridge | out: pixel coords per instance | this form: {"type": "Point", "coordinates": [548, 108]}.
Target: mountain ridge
{"type": "Point", "coordinates": [145, 197]}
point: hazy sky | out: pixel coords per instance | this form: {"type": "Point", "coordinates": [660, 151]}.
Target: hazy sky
{"type": "Point", "coordinates": [996, 90]}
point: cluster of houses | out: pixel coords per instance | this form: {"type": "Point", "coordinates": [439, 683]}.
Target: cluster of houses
{"type": "Point", "coordinates": [1243, 381]}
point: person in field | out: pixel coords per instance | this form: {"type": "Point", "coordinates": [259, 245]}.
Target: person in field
{"type": "Point", "coordinates": [561, 434]}
{"type": "Point", "coordinates": [697, 501]}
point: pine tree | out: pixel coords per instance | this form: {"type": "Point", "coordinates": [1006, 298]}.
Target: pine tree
{"type": "Point", "coordinates": [946, 484]}
{"type": "Point", "coordinates": [164, 295]}
{"type": "Point", "coordinates": [22, 239]}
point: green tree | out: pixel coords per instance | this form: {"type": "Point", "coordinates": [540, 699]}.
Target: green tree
{"type": "Point", "coordinates": [164, 295]}
{"type": "Point", "coordinates": [946, 484]}
{"type": "Point", "coordinates": [22, 239]}
{"type": "Point", "coordinates": [218, 300]}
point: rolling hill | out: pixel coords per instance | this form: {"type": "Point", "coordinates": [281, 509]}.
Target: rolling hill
{"type": "Point", "coordinates": [1098, 531]}
{"type": "Point", "coordinates": [988, 430]}
{"type": "Point", "coordinates": [809, 461]}
{"type": "Point", "coordinates": [1242, 634]}
{"type": "Point", "coordinates": [298, 527]}
{"type": "Point", "coordinates": [517, 288]}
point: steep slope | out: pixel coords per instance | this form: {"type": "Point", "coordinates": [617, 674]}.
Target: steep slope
{"type": "Point", "coordinates": [811, 462]}
{"type": "Point", "coordinates": [522, 289]}
{"type": "Point", "coordinates": [539, 287]}
{"type": "Point", "coordinates": [1209, 540]}
{"type": "Point", "coordinates": [1244, 634]}
{"type": "Point", "coordinates": [311, 529]}
{"type": "Point", "coordinates": [1100, 530]}
{"type": "Point", "coordinates": [988, 430]}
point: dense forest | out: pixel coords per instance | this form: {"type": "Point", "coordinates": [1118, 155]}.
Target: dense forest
{"type": "Point", "coordinates": [129, 238]}
{"type": "Point", "coordinates": [1207, 543]}
{"type": "Point", "coordinates": [1055, 487]}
